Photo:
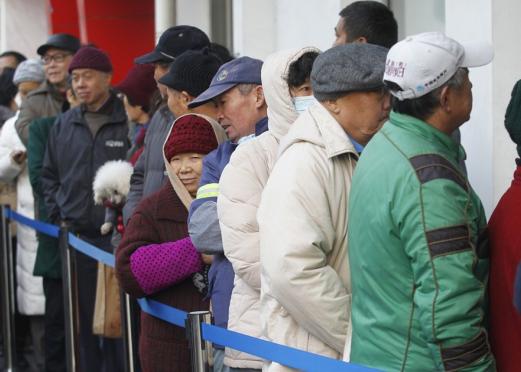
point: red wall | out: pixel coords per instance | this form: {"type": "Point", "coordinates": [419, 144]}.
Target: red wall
{"type": "Point", "coordinates": [122, 28]}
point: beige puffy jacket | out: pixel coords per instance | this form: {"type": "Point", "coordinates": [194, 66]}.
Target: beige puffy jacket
{"type": "Point", "coordinates": [241, 185]}
{"type": "Point", "coordinates": [306, 286]}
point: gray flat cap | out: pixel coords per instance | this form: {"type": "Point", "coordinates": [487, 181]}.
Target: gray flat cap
{"type": "Point", "coordinates": [29, 70]}
{"type": "Point", "coordinates": [348, 67]}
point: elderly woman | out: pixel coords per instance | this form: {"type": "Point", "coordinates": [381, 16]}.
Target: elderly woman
{"type": "Point", "coordinates": [156, 257]}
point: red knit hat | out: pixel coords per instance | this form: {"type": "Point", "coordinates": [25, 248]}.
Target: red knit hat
{"type": "Point", "coordinates": [91, 57]}
{"type": "Point", "coordinates": [139, 85]}
{"type": "Point", "coordinates": [191, 133]}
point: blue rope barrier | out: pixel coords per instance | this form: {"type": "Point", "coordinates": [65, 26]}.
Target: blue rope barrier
{"type": "Point", "coordinates": [42, 227]}
{"type": "Point", "coordinates": [164, 312]}
{"type": "Point", "coordinates": [92, 251]}
{"type": "Point", "coordinates": [282, 354]}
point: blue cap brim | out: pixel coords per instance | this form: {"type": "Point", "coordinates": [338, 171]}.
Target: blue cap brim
{"type": "Point", "coordinates": [211, 93]}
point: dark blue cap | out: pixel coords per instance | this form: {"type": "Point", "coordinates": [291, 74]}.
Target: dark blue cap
{"type": "Point", "coordinates": [243, 70]}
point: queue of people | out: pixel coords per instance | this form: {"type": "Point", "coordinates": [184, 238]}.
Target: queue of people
{"type": "Point", "coordinates": [318, 199]}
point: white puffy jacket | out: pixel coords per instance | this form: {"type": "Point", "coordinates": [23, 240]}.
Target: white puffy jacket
{"type": "Point", "coordinates": [29, 291]}
{"type": "Point", "coordinates": [305, 281]}
{"type": "Point", "coordinates": [241, 185]}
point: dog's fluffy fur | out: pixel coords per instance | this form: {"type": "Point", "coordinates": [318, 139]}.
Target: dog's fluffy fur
{"type": "Point", "coordinates": [112, 182]}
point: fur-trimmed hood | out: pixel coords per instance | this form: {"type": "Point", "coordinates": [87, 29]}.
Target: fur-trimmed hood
{"type": "Point", "coordinates": [179, 188]}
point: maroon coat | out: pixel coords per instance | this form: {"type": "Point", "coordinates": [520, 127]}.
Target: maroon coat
{"type": "Point", "coordinates": [505, 244]}
{"type": "Point", "coordinates": [159, 218]}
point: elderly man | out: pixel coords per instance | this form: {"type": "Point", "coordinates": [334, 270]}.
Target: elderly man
{"type": "Point", "coordinates": [49, 98]}
{"type": "Point", "coordinates": [97, 131]}
{"type": "Point", "coordinates": [418, 259]}
{"type": "Point", "coordinates": [305, 286]}
{"type": "Point", "coordinates": [241, 110]}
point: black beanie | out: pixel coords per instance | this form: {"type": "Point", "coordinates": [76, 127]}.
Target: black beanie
{"type": "Point", "coordinates": [192, 72]}
{"type": "Point", "coordinates": [7, 88]}
{"type": "Point", "coordinates": [513, 116]}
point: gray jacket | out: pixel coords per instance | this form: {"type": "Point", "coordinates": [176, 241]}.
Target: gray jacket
{"type": "Point", "coordinates": [149, 171]}
{"type": "Point", "coordinates": [43, 102]}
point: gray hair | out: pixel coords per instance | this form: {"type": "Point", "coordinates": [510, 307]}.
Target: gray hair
{"type": "Point", "coordinates": [424, 106]}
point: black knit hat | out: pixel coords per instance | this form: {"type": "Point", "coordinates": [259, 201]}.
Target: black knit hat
{"type": "Point", "coordinates": [192, 72]}
{"type": "Point", "coordinates": [513, 117]}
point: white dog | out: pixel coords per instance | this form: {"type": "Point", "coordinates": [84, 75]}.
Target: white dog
{"type": "Point", "coordinates": [111, 186]}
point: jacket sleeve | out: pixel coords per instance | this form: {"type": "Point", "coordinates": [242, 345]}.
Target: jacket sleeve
{"type": "Point", "coordinates": [26, 116]}
{"type": "Point", "coordinates": [50, 178]}
{"type": "Point", "coordinates": [35, 154]}
{"type": "Point", "coordinates": [9, 169]}
{"type": "Point", "coordinates": [140, 232]}
{"type": "Point", "coordinates": [159, 266]}
{"type": "Point", "coordinates": [296, 237]}
{"type": "Point", "coordinates": [136, 187]}
{"type": "Point", "coordinates": [203, 223]}
{"type": "Point", "coordinates": [442, 245]}
{"type": "Point", "coordinates": [239, 198]}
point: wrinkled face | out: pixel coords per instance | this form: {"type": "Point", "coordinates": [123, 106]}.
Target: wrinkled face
{"type": "Point", "coordinates": [340, 33]}
{"type": "Point", "coordinates": [90, 86]}
{"type": "Point", "coordinates": [362, 114]}
{"type": "Point", "coordinates": [55, 64]}
{"type": "Point", "coordinates": [302, 90]}
{"type": "Point", "coordinates": [27, 86]}
{"type": "Point", "coordinates": [237, 112]}
{"type": "Point", "coordinates": [188, 167]}
{"type": "Point", "coordinates": [176, 103]}
{"type": "Point", "coordinates": [461, 102]}
{"type": "Point", "coordinates": [160, 69]}
{"type": "Point", "coordinates": [133, 112]}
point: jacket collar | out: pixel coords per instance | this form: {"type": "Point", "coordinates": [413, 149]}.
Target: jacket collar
{"type": "Point", "coordinates": [421, 128]}
{"type": "Point", "coordinates": [335, 139]}
{"type": "Point", "coordinates": [47, 87]}
{"type": "Point", "coordinates": [117, 111]}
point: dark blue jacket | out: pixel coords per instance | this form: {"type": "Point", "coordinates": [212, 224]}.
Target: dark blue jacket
{"type": "Point", "coordinates": [72, 158]}
{"type": "Point", "coordinates": [204, 229]}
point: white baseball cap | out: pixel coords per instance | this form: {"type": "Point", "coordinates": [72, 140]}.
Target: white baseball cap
{"type": "Point", "coordinates": [423, 62]}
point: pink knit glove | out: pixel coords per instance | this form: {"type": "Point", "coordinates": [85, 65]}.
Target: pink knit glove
{"type": "Point", "coordinates": [159, 266]}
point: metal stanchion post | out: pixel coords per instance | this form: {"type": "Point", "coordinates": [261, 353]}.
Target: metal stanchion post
{"type": "Point", "coordinates": [69, 299]}
{"type": "Point", "coordinates": [8, 294]}
{"type": "Point", "coordinates": [128, 334]}
{"type": "Point", "coordinates": [200, 350]}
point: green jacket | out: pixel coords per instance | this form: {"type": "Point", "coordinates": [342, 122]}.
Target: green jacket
{"type": "Point", "coordinates": [48, 262]}
{"type": "Point", "coordinates": [418, 255]}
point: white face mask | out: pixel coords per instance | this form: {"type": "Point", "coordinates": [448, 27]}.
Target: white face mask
{"type": "Point", "coordinates": [302, 103]}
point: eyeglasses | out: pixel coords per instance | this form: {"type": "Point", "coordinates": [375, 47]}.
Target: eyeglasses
{"type": "Point", "coordinates": [58, 58]}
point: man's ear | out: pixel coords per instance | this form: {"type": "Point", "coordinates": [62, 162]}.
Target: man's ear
{"type": "Point", "coordinates": [331, 106]}
{"type": "Point", "coordinates": [259, 97]}
{"type": "Point", "coordinates": [361, 39]}
{"type": "Point", "coordinates": [445, 98]}
{"type": "Point", "coordinates": [108, 76]}
{"type": "Point", "coordinates": [186, 97]}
